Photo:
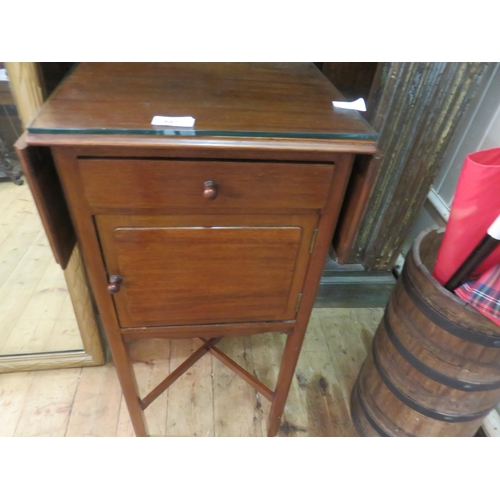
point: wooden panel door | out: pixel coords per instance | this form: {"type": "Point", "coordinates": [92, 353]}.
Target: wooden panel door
{"type": "Point", "coordinates": [178, 270]}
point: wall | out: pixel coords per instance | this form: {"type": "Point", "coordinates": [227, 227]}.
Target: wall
{"type": "Point", "coordinates": [480, 129]}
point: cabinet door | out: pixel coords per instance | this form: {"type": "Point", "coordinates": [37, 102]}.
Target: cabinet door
{"type": "Point", "coordinates": [179, 270]}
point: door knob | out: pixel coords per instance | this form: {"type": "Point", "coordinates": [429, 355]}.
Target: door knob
{"type": "Point", "coordinates": [210, 191]}
{"type": "Point", "coordinates": [114, 283]}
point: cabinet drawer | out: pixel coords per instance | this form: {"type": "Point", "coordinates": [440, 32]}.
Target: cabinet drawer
{"type": "Point", "coordinates": [181, 184]}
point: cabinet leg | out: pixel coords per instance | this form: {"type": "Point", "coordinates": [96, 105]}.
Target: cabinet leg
{"type": "Point", "coordinates": [128, 382]}
{"type": "Point", "coordinates": [287, 369]}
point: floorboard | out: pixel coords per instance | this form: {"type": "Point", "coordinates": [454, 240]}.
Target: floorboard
{"type": "Point", "coordinates": [48, 404]}
{"type": "Point", "coordinates": [209, 399]}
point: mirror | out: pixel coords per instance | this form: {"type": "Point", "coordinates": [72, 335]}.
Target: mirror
{"type": "Point", "coordinates": [46, 315]}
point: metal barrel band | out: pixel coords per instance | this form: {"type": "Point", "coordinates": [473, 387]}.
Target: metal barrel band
{"type": "Point", "coordinates": [428, 412]}
{"type": "Point", "coordinates": [429, 372]}
{"type": "Point", "coordinates": [437, 318]}
{"type": "Point", "coordinates": [356, 393]}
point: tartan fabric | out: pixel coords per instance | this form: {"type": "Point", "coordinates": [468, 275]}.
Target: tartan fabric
{"type": "Point", "coordinates": [484, 293]}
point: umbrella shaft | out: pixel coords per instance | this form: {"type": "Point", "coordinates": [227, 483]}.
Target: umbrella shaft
{"type": "Point", "coordinates": [482, 250]}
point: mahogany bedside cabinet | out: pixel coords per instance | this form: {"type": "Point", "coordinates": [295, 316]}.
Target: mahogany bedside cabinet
{"type": "Point", "coordinates": [218, 228]}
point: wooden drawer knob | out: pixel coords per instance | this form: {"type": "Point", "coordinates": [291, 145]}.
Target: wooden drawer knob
{"type": "Point", "coordinates": [210, 191]}
{"type": "Point", "coordinates": [114, 283]}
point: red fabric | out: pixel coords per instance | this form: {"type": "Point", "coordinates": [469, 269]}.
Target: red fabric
{"type": "Point", "coordinates": [475, 206]}
{"type": "Point", "coordinates": [484, 294]}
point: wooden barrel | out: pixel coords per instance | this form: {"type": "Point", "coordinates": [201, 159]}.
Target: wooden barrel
{"type": "Point", "coordinates": [434, 366]}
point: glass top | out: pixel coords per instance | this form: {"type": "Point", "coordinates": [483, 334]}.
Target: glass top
{"type": "Point", "coordinates": [255, 100]}
{"type": "Point", "coordinates": [203, 133]}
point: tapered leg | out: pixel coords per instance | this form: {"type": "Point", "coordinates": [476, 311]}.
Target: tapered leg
{"type": "Point", "coordinates": [317, 262]}
{"type": "Point", "coordinates": [128, 382]}
{"type": "Point", "coordinates": [287, 369]}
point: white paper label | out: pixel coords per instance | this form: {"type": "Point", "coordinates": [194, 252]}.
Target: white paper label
{"type": "Point", "coordinates": [358, 104]}
{"type": "Point", "coordinates": [173, 121]}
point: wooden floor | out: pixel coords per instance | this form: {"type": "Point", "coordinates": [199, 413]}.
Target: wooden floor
{"type": "Point", "coordinates": [36, 314]}
{"type": "Point", "coordinates": [209, 399]}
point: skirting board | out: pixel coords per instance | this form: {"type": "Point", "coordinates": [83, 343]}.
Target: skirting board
{"type": "Point", "coordinates": [351, 286]}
